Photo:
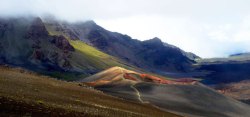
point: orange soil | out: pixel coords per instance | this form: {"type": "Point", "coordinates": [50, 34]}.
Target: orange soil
{"type": "Point", "coordinates": [127, 76]}
{"type": "Point", "coordinates": [154, 79]}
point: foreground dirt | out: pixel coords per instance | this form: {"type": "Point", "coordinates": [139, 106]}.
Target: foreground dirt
{"type": "Point", "coordinates": [28, 94]}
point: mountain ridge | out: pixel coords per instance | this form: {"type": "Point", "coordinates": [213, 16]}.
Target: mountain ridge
{"type": "Point", "coordinates": [130, 50]}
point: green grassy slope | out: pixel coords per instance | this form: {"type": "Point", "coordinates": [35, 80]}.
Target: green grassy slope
{"type": "Point", "coordinates": [27, 94]}
{"type": "Point", "coordinates": [85, 57]}
{"type": "Point", "coordinates": [94, 56]}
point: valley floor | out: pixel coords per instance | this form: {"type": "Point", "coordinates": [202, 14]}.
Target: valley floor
{"type": "Point", "coordinates": [24, 93]}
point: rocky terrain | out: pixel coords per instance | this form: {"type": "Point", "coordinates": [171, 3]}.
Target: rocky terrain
{"type": "Point", "coordinates": [237, 90]}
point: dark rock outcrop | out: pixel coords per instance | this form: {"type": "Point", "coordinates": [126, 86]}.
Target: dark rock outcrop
{"type": "Point", "coordinates": [62, 43]}
{"type": "Point", "coordinates": [3, 28]}
{"type": "Point", "coordinates": [38, 55]}
{"type": "Point", "coordinates": [37, 30]}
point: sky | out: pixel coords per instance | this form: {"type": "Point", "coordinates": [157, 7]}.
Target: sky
{"type": "Point", "coordinates": [208, 28]}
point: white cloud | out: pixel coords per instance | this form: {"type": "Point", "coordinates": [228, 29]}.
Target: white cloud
{"type": "Point", "coordinates": [210, 28]}
{"type": "Point", "coordinates": [242, 36]}
{"type": "Point", "coordinates": [202, 38]}
{"type": "Point", "coordinates": [218, 35]}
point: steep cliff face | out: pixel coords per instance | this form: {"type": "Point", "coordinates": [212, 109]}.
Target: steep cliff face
{"type": "Point", "coordinates": [62, 43]}
{"type": "Point", "coordinates": [26, 42]}
{"type": "Point", "coordinates": [37, 30]}
{"type": "Point", "coordinates": [14, 47]}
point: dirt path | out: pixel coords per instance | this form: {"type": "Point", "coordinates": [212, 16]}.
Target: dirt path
{"type": "Point", "coordinates": [132, 86]}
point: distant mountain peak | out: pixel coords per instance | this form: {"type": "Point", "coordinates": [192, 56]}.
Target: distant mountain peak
{"type": "Point", "coordinates": [38, 22]}
{"type": "Point", "coordinates": [240, 54]}
{"type": "Point", "coordinates": [154, 41]}
{"type": "Point", "coordinates": [91, 22]}
{"type": "Point", "coordinates": [91, 25]}
{"type": "Point", "coordinates": [156, 38]}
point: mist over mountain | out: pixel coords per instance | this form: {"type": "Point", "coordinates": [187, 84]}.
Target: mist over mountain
{"type": "Point", "coordinates": [192, 26]}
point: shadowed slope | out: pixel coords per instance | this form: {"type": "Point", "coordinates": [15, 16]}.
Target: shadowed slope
{"type": "Point", "coordinates": [237, 90]}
